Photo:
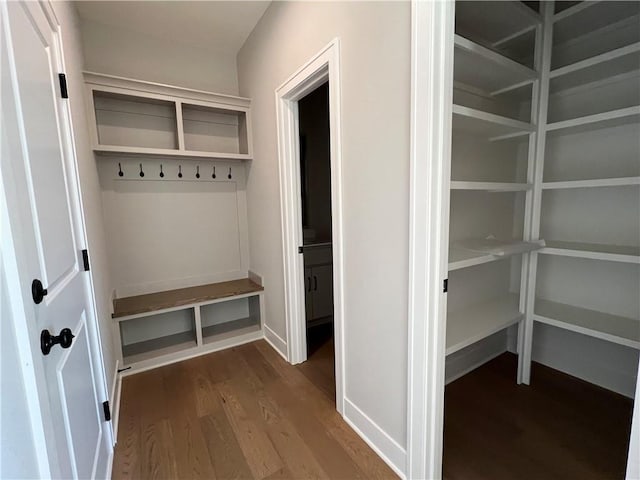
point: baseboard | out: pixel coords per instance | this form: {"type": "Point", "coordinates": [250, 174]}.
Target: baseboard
{"type": "Point", "coordinates": [276, 341]}
{"type": "Point", "coordinates": [386, 447]}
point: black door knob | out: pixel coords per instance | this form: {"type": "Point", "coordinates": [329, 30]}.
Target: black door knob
{"type": "Point", "coordinates": [38, 292]}
{"type": "Point", "coordinates": [47, 340]}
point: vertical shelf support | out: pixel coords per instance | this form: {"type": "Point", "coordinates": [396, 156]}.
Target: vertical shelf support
{"type": "Point", "coordinates": [180, 126]}
{"type": "Point", "coordinates": [544, 44]}
{"type": "Point", "coordinates": [197, 318]}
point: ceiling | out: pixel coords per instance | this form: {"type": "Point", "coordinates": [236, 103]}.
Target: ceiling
{"type": "Point", "coordinates": [213, 25]}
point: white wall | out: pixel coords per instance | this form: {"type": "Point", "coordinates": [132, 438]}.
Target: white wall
{"type": "Point", "coordinates": [375, 65]}
{"type": "Point", "coordinates": [129, 54]}
{"type": "Point", "coordinates": [89, 184]}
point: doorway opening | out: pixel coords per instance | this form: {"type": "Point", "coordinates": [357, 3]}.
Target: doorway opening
{"type": "Point", "coordinates": [311, 196]}
{"type": "Point", "coordinates": [315, 196]}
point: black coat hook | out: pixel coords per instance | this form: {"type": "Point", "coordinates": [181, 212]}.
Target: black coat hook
{"type": "Point", "coordinates": [161, 172]}
{"type": "Point", "coordinates": [229, 176]}
{"type": "Point", "coordinates": [120, 172]}
{"type": "Point", "coordinates": [213, 175]}
{"type": "Point", "coordinates": [179, 171]}
{"type": "Point", "coordinates": [141, 172]}
{"type": "Point", "coordinates": [198, 171]}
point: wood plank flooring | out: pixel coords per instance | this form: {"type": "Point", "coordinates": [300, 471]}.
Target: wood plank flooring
{"type": "Point", "coordinates": [557, 428]}
{"type": "Point", "coordinates": [236, 414]}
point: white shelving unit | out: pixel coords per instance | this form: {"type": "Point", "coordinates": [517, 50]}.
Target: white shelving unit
{"type": "Point", "coordinates": [545, 154]}
{"type": "Point", "coordinates": [137, 118]}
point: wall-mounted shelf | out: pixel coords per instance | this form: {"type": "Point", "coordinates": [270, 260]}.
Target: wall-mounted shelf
{"type": "Point", "coordinates": [472, 324]}
{"type": "Point", "coordinates": [589, 16]}
{"type": "Point", "coordinates": [486, 124]}
{"type": "Point", "coordinates": [623, 116]}
{"type": "Point", "coordinates": [198, 320]}
{"type": "Point", "coordinates": [131, 117]}
{"type": "Point", "coordinates": [613, 328]}
{"type": "Point", "coordinates": [611, 253]}
{"type": "Point", "coordinates": [595, 183]}
{"type": "Point", "coordinates": [490, 186]}
{"type": "Point", "coordinates": [476, 251]}
{"type": "Point", "coordinates": [485, 69]}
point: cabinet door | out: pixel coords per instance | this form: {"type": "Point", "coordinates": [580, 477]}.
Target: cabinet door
{"type": "Point", "coordinates": [308, 293]}
{"type": "Point", "coordinates": [322, 277]}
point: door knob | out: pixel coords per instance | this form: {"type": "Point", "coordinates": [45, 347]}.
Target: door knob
{"type": "Point", "coordinates": [47, 340]}
{"type": "Point", "coordinates": [38, 292]}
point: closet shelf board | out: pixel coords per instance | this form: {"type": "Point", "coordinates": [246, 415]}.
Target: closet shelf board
{"type": "Point", "coordinates": [477, 322]}
{"type": "Point", "coordinates": [621, 330]}
{"type": "Point", "coordinates": [227, 330]}
{"type": "Point", "coordinates": [485, 69]}
{"type": "Point", "coordinates": [598, 68]}
{"type": "Point", "coordinates": [182, 297]}
{"type": "Point", "coordinates": [490, 186]}
{"type": "Point", "coordinates": [589, 16]}
{"type": "Point", "coordinates": [487, 124]}
{"type": "Point", "coordinates": [472, 252]}
{"type": "Point", "coordinates": [611, 253]}
{"type": "Point", "coordinates": [150, 349]}
{"type": "Point", "coordinates": [110, 150]}
{"type": "Point", "coordinates": [623, 116]}
{"type": "Point", "coordinates": [595, 183]}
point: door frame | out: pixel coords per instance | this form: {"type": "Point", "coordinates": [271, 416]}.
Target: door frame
{"type": "Point", "coordinates": [32, 373]}
{"type": "Point", "coordinates": [432, 28]}
{"type": "Point", "coordinates": [322, 67]}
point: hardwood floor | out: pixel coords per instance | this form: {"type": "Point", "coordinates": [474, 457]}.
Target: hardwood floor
{"type": "Point", "coordinates": [239, 413]}
{"type": "Point", "coordinates": [557, 428]}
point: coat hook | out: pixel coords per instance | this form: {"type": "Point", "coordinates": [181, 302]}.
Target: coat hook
{"type": "Point", "coordinates": [179, 171]}
{"type": "Point", "coordinates": [197, 171]}
{"type": "Point", "coordinates": [120, 172]}
{"type": "Point", "coordinates": [213, 175]}
{"type": "Point", "coordinates": [161, 172]}
{"type": "Point", "coordinates": [229, 176]}
{"type": "Point", "coordinates": [141, 172]}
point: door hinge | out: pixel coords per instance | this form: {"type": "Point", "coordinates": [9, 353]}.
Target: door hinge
{"type": "Point", "coordinates": [445, 285]}
{"type": "Point", "coordinates": [107, 411]}
{"type": "Point", "coordinates": [64, 93]}
{"type": "Point", "coordinates": [85, 259]}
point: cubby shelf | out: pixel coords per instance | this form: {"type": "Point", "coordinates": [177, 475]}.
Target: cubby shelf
{"type": "Point", "coordinates": [589, 16]}
{"type": "Point", "coordinates": [157, 347]}
{"type": "Point", "coordinates": [493, 126]}
{"type": "Point", "coordinates": [613, 328]}
{"type": "Point", "coordinates": [490, 186]}
{"type": "Point", "coordinates": [472, 252]}
{"type": "Point", "coordinates": [600, 67]}
{"type": "Point", "coordinates": [623, 116]}
{"type": "Point", "coordinates": [611, 253]}
{"type": "Point", "coordinates": [476, 322]}
{"type": "Point", "coordinates": [485, 69]}
{"type": "Point", "coordinates": [595, 183]}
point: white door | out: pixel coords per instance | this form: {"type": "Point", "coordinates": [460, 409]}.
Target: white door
{"type": "Point", "coordinates": [44, 212]}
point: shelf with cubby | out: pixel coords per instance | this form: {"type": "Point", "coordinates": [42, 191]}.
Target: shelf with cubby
{"type": "Point", "coordinates": [137, 118]}
{"type": "Point", "coordinates": [612, 328]}
{"type": "Point", "coordinates": [476, 251]}
{"type": "Point", "coordinates": [478, 122]}
{"type": "Point", "coordinates": [623, 116]}
{"type": "Point", "coordinates": [192, 321]}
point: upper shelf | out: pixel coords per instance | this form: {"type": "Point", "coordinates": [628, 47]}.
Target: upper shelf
{"type": "Point", "coordinates": [595, 183]}
{"type": "Point", "coordinates": [131, 117]}
{"type": "Point", "coordinates": [476, 251]}
{"type": "Point", "coordinates": [623, 116]}
{"type": "Point", "coordinates": [494, 127]}
{"type": "Point", "coordinates": [589, 16]}
{"type": "Point", "coordinates": [485, 69]}
{"type": "Point", "coordinates": [611, 253]}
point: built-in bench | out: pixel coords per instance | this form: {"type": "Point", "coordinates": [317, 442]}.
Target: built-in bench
{"type": "Point", "coordinates": [163, 327]}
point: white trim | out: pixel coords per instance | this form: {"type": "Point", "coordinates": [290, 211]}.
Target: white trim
{"type": "Point", "coordinates": [323, 66]}
{"type": "Point", "coordinates": [380, 442]}
{"type": "Point", "coordinates": [432, 46]}
{"type": "Point", "coordinates": [276, 341]}
{"type": "Point", "coordinates": [114, 400]}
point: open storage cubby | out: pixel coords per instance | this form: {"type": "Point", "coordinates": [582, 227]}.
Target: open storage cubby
{"type": "Point", "coordinates": [208, 129]}
{"type": "Point", "coordinates": [132, 121]}
{"type": "Point", "coordinates": [225, 319]}
{"type": "Point", "coordinates": [133, 117]}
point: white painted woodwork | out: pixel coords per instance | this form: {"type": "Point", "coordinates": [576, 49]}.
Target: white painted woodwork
{"type": "Point", "coordinates": [47, 232]}
{"type": "Point", "coordinates": [143, 118]}
{"type": "Point", "coordinates": [490, 186]}
{"type": "Point", "coordinates": [595, 251]}
{"type": "Point", "coordinates": [477, 122]}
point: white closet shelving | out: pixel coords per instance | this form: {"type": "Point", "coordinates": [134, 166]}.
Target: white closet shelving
{"type": "Point", "coordinates": [545, 172]}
